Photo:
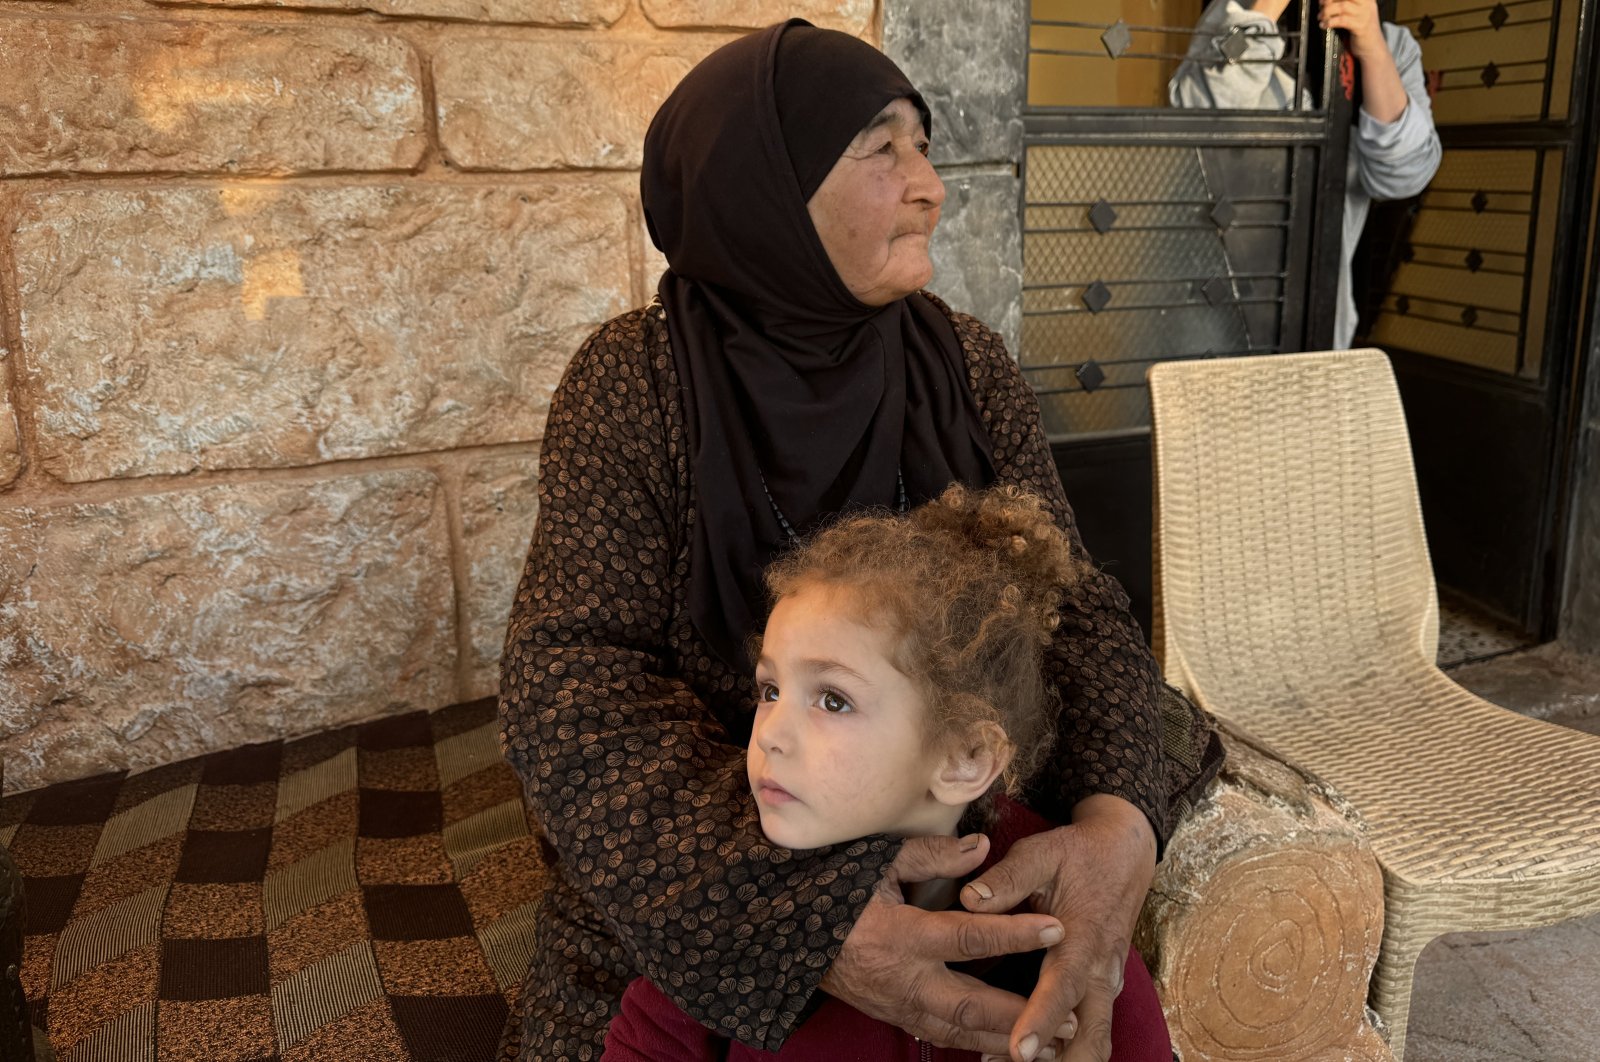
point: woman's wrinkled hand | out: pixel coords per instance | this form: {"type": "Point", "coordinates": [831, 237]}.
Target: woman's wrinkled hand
{"type": "Point", "coordinates": [893, 965]}
{"type": "Point", "coordinates": [1092, 876]}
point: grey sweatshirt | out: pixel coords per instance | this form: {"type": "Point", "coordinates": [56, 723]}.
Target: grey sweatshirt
{"type": "Point", "coordinates": [1387, 160]}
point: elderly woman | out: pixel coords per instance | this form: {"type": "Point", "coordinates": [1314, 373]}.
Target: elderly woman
{"type": "Point", "coordinates": [790, 369]}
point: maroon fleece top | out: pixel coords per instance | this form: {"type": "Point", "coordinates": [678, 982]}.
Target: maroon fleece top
{"type": "Point", "coordinates": [651, 1028]}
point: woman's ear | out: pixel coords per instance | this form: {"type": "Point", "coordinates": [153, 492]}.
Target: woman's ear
{"type": "Point", "coordinates": [971, 764]}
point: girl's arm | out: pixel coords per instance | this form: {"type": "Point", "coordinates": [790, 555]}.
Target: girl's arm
{"type": "Point", "coordinates": [651, 1028]}
{"type": "Point", "coordinates": [1383, 97]}
{"type": "Point", "coordinates": [1397, 149]}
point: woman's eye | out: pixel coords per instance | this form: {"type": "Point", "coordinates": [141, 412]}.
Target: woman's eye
{"type": "Point", "coordinates": [832, 702]}
{"type": "Point", "coordinates": [923, 146]}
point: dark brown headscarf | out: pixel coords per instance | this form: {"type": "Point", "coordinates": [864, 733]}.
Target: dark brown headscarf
{"type": "Point", "coordinates": [794, 387]}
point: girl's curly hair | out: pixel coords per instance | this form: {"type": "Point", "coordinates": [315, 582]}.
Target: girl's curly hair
{"type": "Point", "coordinates": [969, 584]}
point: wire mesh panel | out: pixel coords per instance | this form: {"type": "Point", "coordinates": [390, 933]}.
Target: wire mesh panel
{"type": "Point", "coordinates": [1474, 282]}
{"type": "Point", "coordinates": [1138, 253]}
{"type": "Point", "coordinates": [1153, 231]}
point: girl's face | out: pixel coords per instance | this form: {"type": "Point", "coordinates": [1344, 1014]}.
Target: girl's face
{"type": "Point", "coordinates": [838, 749]}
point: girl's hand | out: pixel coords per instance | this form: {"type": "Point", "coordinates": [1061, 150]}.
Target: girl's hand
{"type": "Point", "coordinates": [1383, 95]}
{"type": "Point", "coordinates": [1360, 19]}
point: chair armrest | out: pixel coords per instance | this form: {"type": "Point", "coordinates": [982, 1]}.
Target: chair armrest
{"type": "Point", "coordinates": [1263, 924]}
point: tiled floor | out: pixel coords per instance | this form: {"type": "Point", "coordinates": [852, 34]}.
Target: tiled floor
{"type": "Point", "coordinates": [1466, 633]}
{"type": "Point", "coordinates": [1528, 994]}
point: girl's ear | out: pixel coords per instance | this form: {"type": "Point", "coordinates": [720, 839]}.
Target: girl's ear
{"type": "Point", "coordinates": [971, 764]}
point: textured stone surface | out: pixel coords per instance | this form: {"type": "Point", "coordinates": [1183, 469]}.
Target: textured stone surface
{"type": "Point", "coordinates": [965, 60]}
{"type": "Point", "coordinates": [532, 12]}
{"type": "Point", "coordinates": [528, 105]}
{"type": "Point", "coordinates": [851, 16]}
{"type": "Point", "coordinates": [10, 442]}
{"type": "Point", "coordinates": [144, 630]}
{"type": "Point", "coordinates": [170, 330]}
{"type": "Point", "coordinates": [652, 263]}
{"type": "Point", "coordinates": [1547, 682]}
{"type": "Point", "coordinates": [1525, 995]}
{"type": "Point", "coordinates": [499, 501]}
{"type": "Point", "coordinates": [977, 252]}
{"type": "Point", "coordinates": [169, 97]}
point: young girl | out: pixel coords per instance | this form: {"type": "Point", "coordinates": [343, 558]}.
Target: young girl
{"type": "Point", "coordinates": [899, 692]}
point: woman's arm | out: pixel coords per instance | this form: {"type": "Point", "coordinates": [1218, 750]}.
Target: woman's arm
{"type": "Point", "coordinates": [637, 785]}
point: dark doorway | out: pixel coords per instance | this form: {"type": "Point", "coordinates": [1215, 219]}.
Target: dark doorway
{"type": "Point", "coordinates": [1153, 233]}
{"type": "Point", "coordinates": [1482, 315]}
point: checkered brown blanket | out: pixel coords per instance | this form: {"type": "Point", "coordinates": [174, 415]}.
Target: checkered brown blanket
{"type": "Point", "coordinates": [364, 894]}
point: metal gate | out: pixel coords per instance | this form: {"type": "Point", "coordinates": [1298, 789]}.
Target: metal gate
{"type": "Point", "coordinates": [1152, 233]}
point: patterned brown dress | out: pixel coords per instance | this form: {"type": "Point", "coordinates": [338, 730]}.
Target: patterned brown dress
{"type": "Point", "coordinates": [629, 734]}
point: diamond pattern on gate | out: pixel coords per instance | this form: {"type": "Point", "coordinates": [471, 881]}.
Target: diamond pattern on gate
{"type": "Point", "coordinates": [1090, 375]}
{"type": "Point", "coordinates": [1116, 39]}
{"type": "Point", "coordinates": [1216, 291]}
{"type": "Point", "coordinates": [1096, 296]}
{"type": "Point", "coordinates": [1102, 217]}
{"type": "Point", "coordinates": [1233, 46]}
{"type": "Point", "coordinates": [1163, 266]}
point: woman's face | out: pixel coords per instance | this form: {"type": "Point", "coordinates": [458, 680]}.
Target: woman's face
{"type": "Point", "coordinates": [876, 209]}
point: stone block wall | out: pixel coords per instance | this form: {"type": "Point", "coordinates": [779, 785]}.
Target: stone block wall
{"type": "Point", "coordinates": [967, 60]}
{"type": "Point", "coordinates": [285, 286]}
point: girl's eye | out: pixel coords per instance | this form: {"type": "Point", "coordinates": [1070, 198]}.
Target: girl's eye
{"type": "Point", "coordinates": [832, 702]}
{"type": "Point", "coordinates": [766, 692]}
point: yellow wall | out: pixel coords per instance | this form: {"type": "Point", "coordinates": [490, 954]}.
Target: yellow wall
{"type": "Point", "coordinates": [1097, 80]}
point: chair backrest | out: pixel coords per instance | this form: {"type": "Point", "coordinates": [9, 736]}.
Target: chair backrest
{"type": "Point", "coordinates": [1289, 544]}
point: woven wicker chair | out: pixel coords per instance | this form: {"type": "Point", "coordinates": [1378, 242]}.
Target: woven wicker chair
{"type": "Point", "coordinates": [1294, 597]}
